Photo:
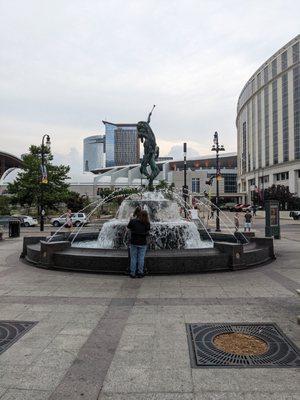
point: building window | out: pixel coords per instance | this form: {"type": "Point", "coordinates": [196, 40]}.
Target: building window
{"type": "Point", "coordinates": [258, 80]}
{"type": "Point", "coordinates": [284, 62]}
{"type": "Point", "coordinates": [275, 122]}
{"type": "Point", "coordinates": [244, 153]}
{"type": "Point", "coordinates": [274, 68]}
{"type": "Point", "coordinates": [196, 185]}
{"type": "Point", "coordinates": [230, 184]}
{"type": "Point", "coordinates": [296, 52]}
{"type": "Point", "coordinates": [281, 176]}
{"type": "Point", "coordinates": [253, 134]}
{"type": "Point", "coordinates": [247, 137]}
{"type": "Point", "coordinates": [266, 75]}
{"type": "Point", "coordinates": [285, 118]}
{"type": "Point", "coordinates": [296, 81]}
{"type": "Point", "coordinates": [259, 144]}
{"type": "Point", "coordinates": [267, 124]}
{"type": "Point", "coordinates": [263, 179]}
{"type": "Point", "coordinates": [251, 182]}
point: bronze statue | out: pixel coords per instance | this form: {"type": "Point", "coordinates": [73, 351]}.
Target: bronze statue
{"type": "Point", "coordinates": [151, 150]}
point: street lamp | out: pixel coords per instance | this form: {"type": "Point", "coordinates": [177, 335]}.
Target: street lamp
{"type": "Point", "coordinates": [44, 180]}
{"type": "Point", "coordinates": [217, 148]}
{"type": "Point", "coordinates": [184, 188]}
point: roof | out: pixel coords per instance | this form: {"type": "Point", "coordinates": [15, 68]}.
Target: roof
{"type": "Point", "coordinates": [118, 124]}
{"type": "Point", "coordinates": [9, 155]}
{"type": "Point", "coordinates": [207, 157]}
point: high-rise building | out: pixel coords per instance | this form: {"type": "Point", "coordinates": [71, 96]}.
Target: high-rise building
{"type": "Point", "coordinates": [268, 124]}
{"type": "Point", "coordinates": [93, 153]}
{"type": "Point", "coordinates": [121, 143]}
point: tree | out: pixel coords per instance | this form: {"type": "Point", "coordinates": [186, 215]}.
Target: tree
{"type": "Point", "coordinates": [280, 193]}
{"type": "Point", "coordinates": [4, 205]}
{"type": "Point", "coordinates": [26, 189]}
{"type": "Point", "coordinates": [77, 202]}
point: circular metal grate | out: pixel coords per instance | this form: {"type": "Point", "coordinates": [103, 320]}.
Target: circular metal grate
{"type": "Point", "coordinates": [11, 331]}
{"type": "Point", "coordinates": [281, 352]}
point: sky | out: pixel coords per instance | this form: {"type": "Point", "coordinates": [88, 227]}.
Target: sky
{"type": "Point", "coordinates": [65, 65]}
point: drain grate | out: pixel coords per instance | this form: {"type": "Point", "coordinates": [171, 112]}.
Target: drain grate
{"type": "Point", "coordinates": [281, 352]}
{"type": "Point", "coordinates": [12, 331]}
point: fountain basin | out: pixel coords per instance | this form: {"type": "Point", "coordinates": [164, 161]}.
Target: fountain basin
{"type": "Point", "coordinates": [225, 255]}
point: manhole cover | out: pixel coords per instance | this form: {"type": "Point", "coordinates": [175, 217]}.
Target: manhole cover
{"type": "Point", "coordinates": [240, 345]}
{"type": "Point", "coordinates": [11, 331]}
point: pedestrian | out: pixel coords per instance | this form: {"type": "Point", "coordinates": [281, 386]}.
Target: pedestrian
{"type": "Point", "coordinates": [248, 219]}
{"type": "Point", "coordinates": [212, 211]}
{"type": "Point", "coordinates": [69, 222]}
{"type": "Point", "coordinates": [236, 221]}
{"type": "Point", "coordinates": [254, 210]}
{"type": "Point", "coordinates": [139, 228]}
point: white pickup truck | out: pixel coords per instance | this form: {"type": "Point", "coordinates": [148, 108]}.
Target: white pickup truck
{"type": "Point", "coordinates": [295, 214]}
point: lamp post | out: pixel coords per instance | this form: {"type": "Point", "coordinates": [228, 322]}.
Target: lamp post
{"type": "Point", "coordinates": [44, 180]}
{"type": "Point", "coordinates": [217, 148]}
{"type": "Point", "coordinates": [184, 188]}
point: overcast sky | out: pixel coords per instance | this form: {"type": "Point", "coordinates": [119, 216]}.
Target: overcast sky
{"type": "Point", "coordinates": [65, 65]}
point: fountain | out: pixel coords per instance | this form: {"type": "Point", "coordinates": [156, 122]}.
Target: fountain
{"type": "Point", "coordinates": [168, 229]}
{"type": "Point", "coordinates": [176, 244]}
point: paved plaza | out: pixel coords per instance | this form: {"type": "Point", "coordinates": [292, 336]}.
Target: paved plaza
{"type": "Point", "coordinates": [112, 338]}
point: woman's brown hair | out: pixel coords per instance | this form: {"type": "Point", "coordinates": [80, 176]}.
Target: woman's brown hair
{"type": "Point", "coordinates": [144, 217]}
{"type": "Point", "coordinates": [137, 211]}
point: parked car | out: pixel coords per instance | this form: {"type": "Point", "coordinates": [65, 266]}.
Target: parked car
{"type": "Point", "coordinates": [77, 219]}
{"type": "Point", "coordinates": [246, 207]}
{"type": "Point", "coordinates": [295, 215]}
{"type": "Point", "coordinates": [238, 207]}
{"type": "Point", "coordinates": [4, 220]}
{"type": "Point", "coordinates": [26, 220]}
{"type": "Point", "coordinates": [242, 207]}
{"type": "Point", "coordinates": [230, 206]}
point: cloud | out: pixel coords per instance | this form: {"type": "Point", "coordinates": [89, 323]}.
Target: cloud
{"type": "Point", "coordinates": [74, 159]}
{"type": "Point", "coordinates": [67, 65]}
{"type": "Point", "coordinates": [177, 152]}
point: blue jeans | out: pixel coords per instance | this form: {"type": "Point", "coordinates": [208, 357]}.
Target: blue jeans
{"type": "Point", "coordinates": [137, 258]}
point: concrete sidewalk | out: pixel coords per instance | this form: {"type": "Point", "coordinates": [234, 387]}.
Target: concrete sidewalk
{"type": "Point", "coordinates": [112, 338]}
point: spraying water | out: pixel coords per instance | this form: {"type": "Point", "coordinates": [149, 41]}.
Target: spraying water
{"type": "Point", "coordinates": [168, 229]}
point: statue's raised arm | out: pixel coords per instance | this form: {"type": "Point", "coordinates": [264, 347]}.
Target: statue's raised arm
{"type": "Point", "coordinates": [150, 113]}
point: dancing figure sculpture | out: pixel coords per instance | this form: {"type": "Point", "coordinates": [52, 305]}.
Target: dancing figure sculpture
{"type": "Point", "coordinates": [151, 151]}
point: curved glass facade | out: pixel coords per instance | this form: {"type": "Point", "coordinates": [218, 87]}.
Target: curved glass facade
{"type": "Point", "coordinates": [268, 120]}
{"type": "Point", "coordinates": [93, 153]}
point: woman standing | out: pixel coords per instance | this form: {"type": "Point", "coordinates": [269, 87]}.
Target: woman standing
{"type": "Point", "coordinates": [139, 227]}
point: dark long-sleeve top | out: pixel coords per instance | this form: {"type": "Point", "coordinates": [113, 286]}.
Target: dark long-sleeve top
{"type": "Point", "coordinates": [139, 232]}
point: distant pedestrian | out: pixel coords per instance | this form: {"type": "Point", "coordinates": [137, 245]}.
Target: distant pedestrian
{"type": "Point", "coordinates": [212, 211]}
{"type": "Point", "coordinates": [236, 221]}
{"type": "Point", "coordinates": [139, 227]}
{"type": "Point", "coordinates": [69, 222]}
{"type": "Point", "coordinates": [254, 209]}
{"type": "Point", "coordinates": [248, 219]}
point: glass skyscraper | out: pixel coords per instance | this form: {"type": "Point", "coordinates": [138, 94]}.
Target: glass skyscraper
{"type": "Point", "coordinates": [122, 144]}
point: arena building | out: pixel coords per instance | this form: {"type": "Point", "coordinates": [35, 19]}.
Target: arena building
{"type": "Point", "coordinates": [268, 125]}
